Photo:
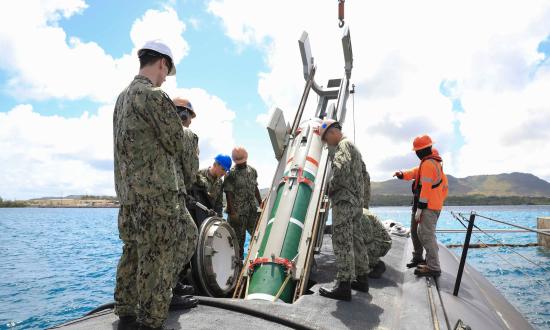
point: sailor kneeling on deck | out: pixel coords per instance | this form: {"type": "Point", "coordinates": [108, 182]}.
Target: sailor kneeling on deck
{"type": "Point", "coordinates": [378, 242]}
{"type": "Point", "coordinates": [346, 193]}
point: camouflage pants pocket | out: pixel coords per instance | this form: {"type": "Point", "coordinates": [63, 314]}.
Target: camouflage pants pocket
{"type": "Point", "coordinates": [348, 241]}
{"type": "Point", "coordinates": [126, 225]}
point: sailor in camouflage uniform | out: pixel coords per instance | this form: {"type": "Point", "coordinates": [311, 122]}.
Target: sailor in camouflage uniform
{"type": "Point", "coordinates": [188, 170]}
{"type": "Point", "coordinates": [243, 196]}
{"type": "Point", "coordinates": [150, 168]}
{"type": "Point", "coordinates": [366, 185]}
{"type": "Point", "coordinates": [209, 184]}
{"type": "Point", "coordinates": [378, 243]}
{"type": "Point", "coordinates": [346, 194]}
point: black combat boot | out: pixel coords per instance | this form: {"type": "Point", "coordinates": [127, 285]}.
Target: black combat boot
{"type": "Point", "coordinates": [361, 283]}
{"type": "Point", "coordinates": [415, 262]}
{"type": "Point", "coordinates": [183, 289]}
{"type": "Point", "coordinates": [341, 291]}
{"type": "Point", "coordinates": [127, 323]}
{"type": "Point", "coordinates": [378, 270]}
{"type": "Point", "coordinates": [183, 302]}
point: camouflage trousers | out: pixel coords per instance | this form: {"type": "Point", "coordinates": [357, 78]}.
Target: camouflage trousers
{"type": "Point", "coordinates": [245, 221]}
{"type": "Point", "coordinates": [376, 250]}
{"type": "Point", "coordinates": [159, 236]}
{"type": "Point", "coordinates": [348, 241]}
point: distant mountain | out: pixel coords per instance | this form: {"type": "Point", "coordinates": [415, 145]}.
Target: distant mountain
{"type": "Point", "coordinates": [507, 184]}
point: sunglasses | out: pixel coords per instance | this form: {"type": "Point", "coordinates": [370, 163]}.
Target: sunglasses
{"type": "Point", "coordinates": [183, 112]}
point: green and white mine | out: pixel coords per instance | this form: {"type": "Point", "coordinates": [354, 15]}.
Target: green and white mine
{"type": "Point", "coordinates": [282, 238]}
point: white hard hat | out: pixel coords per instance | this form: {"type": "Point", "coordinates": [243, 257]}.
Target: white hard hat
{"type": "Point", "coordinates": [162, 48]}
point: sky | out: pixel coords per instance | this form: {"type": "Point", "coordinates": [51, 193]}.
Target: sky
{"type": "Point", "coordinates": [473, 75]}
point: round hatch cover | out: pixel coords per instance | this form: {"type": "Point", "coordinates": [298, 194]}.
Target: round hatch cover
{"type": "Point", "coordinates": [216, 263]}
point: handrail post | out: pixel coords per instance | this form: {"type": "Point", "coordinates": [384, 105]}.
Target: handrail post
{"type": "Point", "coordinates": [464, 253]}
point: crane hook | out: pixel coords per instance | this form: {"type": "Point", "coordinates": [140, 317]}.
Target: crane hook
{"type": "Point", "coordinates": [341, 12]}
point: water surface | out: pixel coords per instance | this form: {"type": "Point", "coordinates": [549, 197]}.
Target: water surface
{"type": "Point", "coordinates": [58, 264]}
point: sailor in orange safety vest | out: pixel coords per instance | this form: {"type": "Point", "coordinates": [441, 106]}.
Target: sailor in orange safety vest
{"type": "Point", "coordinates": [430, 189]}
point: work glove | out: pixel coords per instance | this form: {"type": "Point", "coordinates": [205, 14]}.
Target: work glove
{"type": "Point", "coordinates": [190, 200]}
{"type": "Point", "coordinates": [418, 216]}
{"type": "Point", "coordinates": [398, 174]}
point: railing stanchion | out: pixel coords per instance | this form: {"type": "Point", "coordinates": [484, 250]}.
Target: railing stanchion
{"type": "Point", "coordinates": [464, 253]}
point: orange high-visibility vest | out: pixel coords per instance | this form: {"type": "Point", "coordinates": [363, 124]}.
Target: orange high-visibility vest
{"type": "Point", "coordinates": [433, 182]}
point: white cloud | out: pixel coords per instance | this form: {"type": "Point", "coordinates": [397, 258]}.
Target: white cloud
{"type": "Point", "coordinates": [402, 53]}
{"type": "Point", "coordinates": [54, 155]}
{"type": "Point", "coordinates": [213, 124]}
{"type": "Point", "coordinates": [43, 62]}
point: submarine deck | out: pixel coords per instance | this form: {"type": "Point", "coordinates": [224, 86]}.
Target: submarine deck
{"type": "Point", "coordinates": [398, 300]}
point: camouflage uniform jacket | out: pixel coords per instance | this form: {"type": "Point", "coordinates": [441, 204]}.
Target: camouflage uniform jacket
{"type": "Point", "coordinates": [366, 185]}
{"type": "Point", "coordinates": [374, 229]}
{"type": "Point", "coordinates": [242, 183]}
{"type": "Point", "coordinates": [347, 177]}
{"type": "Point", "coordinates": [188, 160]}
{"type": "Point", "coordinates": [213, 187]}
{"type": "Point", "coordinates": [148, 139]}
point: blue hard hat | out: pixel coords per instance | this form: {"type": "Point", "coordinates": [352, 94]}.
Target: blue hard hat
{"type": "Point", "coordinates": [224, 161]}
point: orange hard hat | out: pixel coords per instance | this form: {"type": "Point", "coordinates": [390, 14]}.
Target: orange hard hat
{"type": "Point", "coordinates": [181, 102]}
{"type": "Point", "coordinates": [421, 142]}
{"type": "Point", "coordinates": [239, 155]}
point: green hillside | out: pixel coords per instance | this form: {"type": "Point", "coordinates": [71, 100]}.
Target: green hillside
{"type": "Point", "coordinates": [501, 185]}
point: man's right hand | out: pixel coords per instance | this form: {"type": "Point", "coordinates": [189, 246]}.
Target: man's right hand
{"type": "Point", "coordinates": [190, 200]}
{"type": "Point", "coordinates": [398, 174]}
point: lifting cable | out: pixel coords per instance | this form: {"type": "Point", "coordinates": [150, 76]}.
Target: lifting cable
{"type": "Point", "coordinates": [500, 256]}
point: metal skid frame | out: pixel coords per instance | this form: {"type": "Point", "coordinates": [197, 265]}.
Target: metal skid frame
{"type": "Point", "coordinates": [317, 212]}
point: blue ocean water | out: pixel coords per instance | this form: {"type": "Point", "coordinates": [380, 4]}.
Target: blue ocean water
{"type": "Point", "coordinates": [58, 264]}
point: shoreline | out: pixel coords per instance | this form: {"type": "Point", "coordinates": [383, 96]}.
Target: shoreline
{"type": "Point", "coordinates": [116, 207]}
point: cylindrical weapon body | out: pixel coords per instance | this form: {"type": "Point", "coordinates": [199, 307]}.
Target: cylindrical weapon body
{"type": "Point", "coordinates": [280, 244]}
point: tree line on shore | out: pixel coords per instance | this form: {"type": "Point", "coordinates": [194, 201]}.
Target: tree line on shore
{"type": "Point", "coordinates": [405, 200]}
{"type": "Point", "coordinates": [377, 200]}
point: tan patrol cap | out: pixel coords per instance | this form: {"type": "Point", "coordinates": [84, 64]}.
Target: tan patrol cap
{"type": "Point", "coordinates": [181, 102]}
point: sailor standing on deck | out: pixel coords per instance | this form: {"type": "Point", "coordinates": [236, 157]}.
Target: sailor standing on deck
{"type": "Point", "coordinates": [148, 150]}
{"type": "Point", "coordinates": [346, 193]}
{"type": "Point", "coordinates": [190, 163]}
{"type": "Point", "coordinates": [430, 190]}
{"type": "Point", "coordinates": [243, 196]}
